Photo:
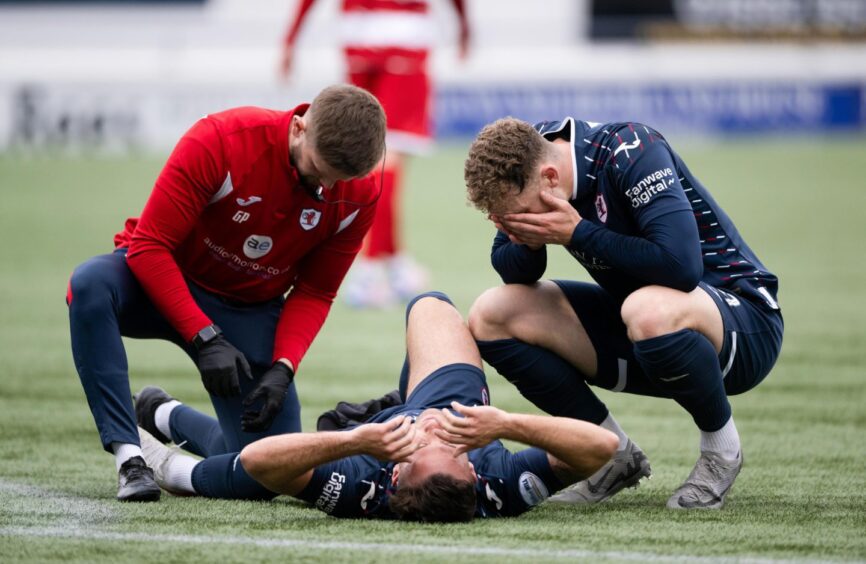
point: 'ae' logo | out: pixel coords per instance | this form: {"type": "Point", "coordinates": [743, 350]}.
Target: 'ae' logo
{"type": "Point", "coordinates": [257, 246]}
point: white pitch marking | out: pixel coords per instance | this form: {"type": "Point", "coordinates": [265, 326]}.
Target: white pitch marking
{"type": "Point", "coordinates": [313, 545]}
{"type": "Point", "coordinates": [77, 528]}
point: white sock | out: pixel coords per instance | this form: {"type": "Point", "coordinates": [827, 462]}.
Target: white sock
{"type": "Point", "coordinates": [162, 415]}
{"type": "Point", "coordinates": [178, 475]}
{"type": "Point", "coordinates": [123, 452]}
{"type": "Point", "coordinates": [725, 441]}
{"type": "Point", "coordinates": [611, 425]}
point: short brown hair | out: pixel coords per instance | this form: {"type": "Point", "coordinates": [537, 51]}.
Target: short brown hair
{"type": "Point", "coordinates": [441, 498]}
{"type": "Point", "coordinates": [500, 160]}
{"type": "Point", "coordinates": [347, 126]}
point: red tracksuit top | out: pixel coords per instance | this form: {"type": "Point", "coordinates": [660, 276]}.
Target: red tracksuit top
{"type": "Point", "coordinates": [227, 212]}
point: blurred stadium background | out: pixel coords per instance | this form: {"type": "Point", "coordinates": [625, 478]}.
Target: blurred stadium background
{"type": "Point", "coordinates": [765, 99]}
{"type": "Point", "coordinates": [135, 73]}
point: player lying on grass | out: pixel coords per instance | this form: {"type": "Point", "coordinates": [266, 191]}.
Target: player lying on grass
{"type": "Point", "coordinates": [682, 308]}
{"type": "Point", "coordinates": [437, 457]}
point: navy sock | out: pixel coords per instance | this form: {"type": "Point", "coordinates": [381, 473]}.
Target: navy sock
{"type": "Point", "coordinates": [685, 365]}
{"type": "Point", "coordinates": [224, 477]}
{"type": "Point", "coordinates": [544, 378]}
{"type": "Point", "coordinates": [198, 433]}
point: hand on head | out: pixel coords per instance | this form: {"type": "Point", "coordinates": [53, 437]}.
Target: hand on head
{"type": "Point", "coordinates": [395, 440]}
{"type": "Point", "coordinates": [477, 428]}
{"type": "Point", "coordinates": [554, 226]}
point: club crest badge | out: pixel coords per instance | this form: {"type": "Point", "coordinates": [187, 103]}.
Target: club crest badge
{"type": "Point", "coordinates": [309, 218]}
{"type": "Point", "coordinates": [601, 208]}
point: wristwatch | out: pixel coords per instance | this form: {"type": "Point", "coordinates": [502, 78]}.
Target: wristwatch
{"type": "Point", "coordinates": [205, 336]}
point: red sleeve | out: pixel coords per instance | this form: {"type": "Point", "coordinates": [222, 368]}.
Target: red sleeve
{"type": "Point", "coordinates": [192, 175]}
{"type": "Point", "coordinates": [318, 280]}
{"type": "Point", "coordinates": [292, 34]}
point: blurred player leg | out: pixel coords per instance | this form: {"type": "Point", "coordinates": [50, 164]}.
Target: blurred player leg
{"type": "Point", "coordinates": [385, 273]}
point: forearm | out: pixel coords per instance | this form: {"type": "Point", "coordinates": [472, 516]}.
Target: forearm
{"type": "Point", "coordinates": [161, 278]}
{"type": "Point", "coordinates": [517, 264]}
{"type": "Point", "coordinates": [285, 463]}
{"type": "Point", "coordinates": [301, 320]}
{"type": "Point", "coordinates": [578, 447]}
{"type": "Point", "coordinates": [671, 258]}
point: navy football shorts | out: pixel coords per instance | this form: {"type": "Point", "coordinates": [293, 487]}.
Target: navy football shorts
{"type": "Point", "coordinates": [462, 383]}
{"type": "Point", "coordinates": [459, 382]}
{"type": "Point", "coordinates": [752, 340]}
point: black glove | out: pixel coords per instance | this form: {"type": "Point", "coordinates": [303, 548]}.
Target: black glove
{"type": "Point", "coordinates": [349, 414]}
{"type": "Point", "coordinates": [220, 363]}
{"type": "Point", "coordinates": [273, 387]}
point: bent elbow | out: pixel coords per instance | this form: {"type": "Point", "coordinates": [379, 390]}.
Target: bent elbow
{"type": "Point", "coordinates": [686, 274]}
{"type": "Point", "coordinates": [687, 281]}
{"type": "Point", "coordinates": [519, 278]}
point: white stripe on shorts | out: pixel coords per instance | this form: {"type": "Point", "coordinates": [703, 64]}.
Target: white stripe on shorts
{"type": "Point", "coordinates": [622, 364]}
{"type": "Point", "coordinates": [733, 352]}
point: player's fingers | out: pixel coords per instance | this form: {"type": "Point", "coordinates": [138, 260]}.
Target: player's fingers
{"type": "Point", "coordinates": [452, 438]}
{"type": "Point", "coordinates": [404, 438]}
{"type": "Point", "coordinates": [404, 448]}
{"type": "Point", "coordinates": [454, 420]}
{"type": "Point", "coordinates": [530, 222]}
{"type": "Point", "coordinates": [398, 431]}
{"type": "Point", "coordinates": [456, 431]}
{"type": "Point", "coordinates": [415, 443]}
{"type": "Point", "coordinates": [461, 409]}
{"type": "Point", "coordinates": [514, 239]}
{"type": "Point", "coordinates": [392, 424]}
{"type": "Point", "coordinates": [551, 200]}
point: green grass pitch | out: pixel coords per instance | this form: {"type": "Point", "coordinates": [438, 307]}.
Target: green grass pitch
{"type": "Point", "coordinates": [801, 495]}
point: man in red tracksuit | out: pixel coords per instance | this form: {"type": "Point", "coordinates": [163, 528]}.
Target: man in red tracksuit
{"type": "Point", "coordinates": [252, 204]}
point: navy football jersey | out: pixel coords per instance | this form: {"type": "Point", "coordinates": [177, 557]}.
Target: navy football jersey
{"type": "Point", "coordinates": [646, 220]}
{"type": "Point", "coordinates": [359, 486]}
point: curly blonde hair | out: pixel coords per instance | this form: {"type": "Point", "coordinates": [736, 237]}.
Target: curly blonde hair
{"type": "Point", "coordinates": [500, 161]}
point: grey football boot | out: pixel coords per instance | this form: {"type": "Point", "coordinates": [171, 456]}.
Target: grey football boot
{"type": "Point", "coordinates": [159, 457]}
{"type": "Point", "coordinates": [624, 470]}
{"type": "Point", "coordinates": [708, 484]}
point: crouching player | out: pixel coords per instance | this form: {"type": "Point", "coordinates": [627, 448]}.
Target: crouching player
{"type": "Point", "coordinates": [437, 457]}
